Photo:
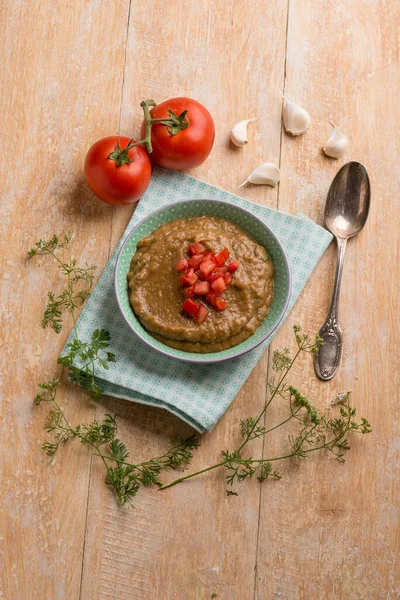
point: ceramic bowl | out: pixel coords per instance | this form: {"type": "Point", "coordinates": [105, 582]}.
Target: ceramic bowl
{"type": "Point", "coordinates": [253, 226]}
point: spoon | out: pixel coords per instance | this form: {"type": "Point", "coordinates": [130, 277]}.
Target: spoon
{"type": "Point", "coordinates": [346, 213]}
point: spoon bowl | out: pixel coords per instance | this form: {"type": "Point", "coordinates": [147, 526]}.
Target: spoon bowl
{"type": "Point", "coordinates": [347, 204]}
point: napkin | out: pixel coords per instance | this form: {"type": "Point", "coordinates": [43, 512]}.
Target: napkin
{"type": "Point", "coordinates": [198, 394]}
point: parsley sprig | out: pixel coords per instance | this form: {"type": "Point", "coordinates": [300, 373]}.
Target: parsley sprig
{"type": "Point", "coordinates": [82, 359]}
{"type": "Point", "coordinates": [124, 477]}
{"type": "Point", "coordinates": [316, 430]}
{"type": "Point", "coordinates": [71, 297]}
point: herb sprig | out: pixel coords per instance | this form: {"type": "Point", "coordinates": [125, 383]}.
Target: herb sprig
{"type": "Point", "coordinates": [124, 477]}
{"type": "Point", "coordinates": [70, 298]}
{"type": "Point", "coordinates": [316, 430]}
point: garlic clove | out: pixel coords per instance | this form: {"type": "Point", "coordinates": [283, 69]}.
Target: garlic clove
{"type": "Point", "coordinates": [337, 143]}
{"type": "Point", "coordinates": [239, 132]}
{"type": "Point", "coordinates": [265, 174]}
{"type": "Point", "coordinates": [295, 118]}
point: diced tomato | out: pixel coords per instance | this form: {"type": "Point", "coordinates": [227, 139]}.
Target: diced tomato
{"type": "Point", "coordinates": [182, 264]}
{"type": "Point", "coordinates": [195, 260]}
{"type": "Point", "coordinates": [191, 307]}
{"type": "Point", "coordinates": [213, 276]}
{"type": "Point", "coordinates": [228, 278]}
{"type": "Point", "coordinates": [212, 298]}
{"type": "Point", "coordinates": [219, 259]}
{"type": "Point", "coordinates": [222, 257]}
{"type": "Point", "coordinates": [191, 276]}
{"type": "Point", "coordinates": [189, 291]}
{"type": "Point", "coordinates": [208, 256]}
{"type": "Point", "coordinates": [219, 284]}
{"type": "Point", "coordinates": [201, 316]}
{"type": "Point", "coordinates": [206, 268]}
{"type": "Point", "coordinates": [220, 303]}
{"type": "Point", "coordinates": [220, 270]}
{"type": "Point", "coordinates": [189, 279]}
{"type": "Point", "coordinates": [202, 276]}
{"type": "Point", "coordinates": [234, 265]}
{"type": "Point", "coordinates": [201, 288]}
{"type": "Point", "coordinates": [196, 248]}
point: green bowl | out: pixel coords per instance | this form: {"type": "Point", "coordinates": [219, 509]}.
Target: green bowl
{"type": "Point", "coordinates": [248, 223]}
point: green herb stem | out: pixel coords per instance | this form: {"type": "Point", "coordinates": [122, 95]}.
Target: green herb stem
{"type": "Point", "coordinates": [274, 393]}
{"type": "Point", "coordinates": [220, 464]}
{"type": "Point", "coordinates": [316, 426]}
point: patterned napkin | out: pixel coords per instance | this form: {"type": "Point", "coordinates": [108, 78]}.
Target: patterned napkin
{"type": "Point", "coordinates": [198, 394]}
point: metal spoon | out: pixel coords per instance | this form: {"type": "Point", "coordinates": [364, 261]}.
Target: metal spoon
{"type": "Point", "coordinates": [346, 213]}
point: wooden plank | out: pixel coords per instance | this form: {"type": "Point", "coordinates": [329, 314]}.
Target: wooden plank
{"type": "Point", "coordinates": [329, 530]}
{"type": "Point", "coordinates": [61, 78]}
{"type": "Point", "coordinates": [192, 541]}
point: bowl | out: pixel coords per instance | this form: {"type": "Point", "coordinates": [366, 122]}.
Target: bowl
{"type": "Point", "coordinates": [253, 226]}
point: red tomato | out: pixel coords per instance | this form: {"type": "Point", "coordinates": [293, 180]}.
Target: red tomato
{"type": "Point", "coordinates": [196, 260]}
{"type": "Point", "coordinates": [189, 279]}
{"type": "Point", "coordinates": [188, 147]}
{"type": "Point", "coordinates": [219, 285]}
{"type": "Point", "coordinates": [196, 248]}
{"type": "Point", "coordinates": [201, 316]}
{"type": "Point", "coordinates": [220, 304]}
{"type": "Point", "coordinates": [234, 265]}
{"type": "Point", "coordinates": [182, 264]}
{"type": "Point", "coordinates": [207, 267]}
{"type": "Point", "coordinates": [191, 307]}
{"type": "Point", "coordinates": [228, 278]}
{"type": "Point", "coordinates": [114, 184]}
{"type": "Point", "coordinates": [201, 288]}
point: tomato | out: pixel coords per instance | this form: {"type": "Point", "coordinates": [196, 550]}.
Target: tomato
{"type": "Point", "coordinates": [201, 288]}
{"type": "Point", "coordinates": [212, 298]}
{"type": "Point", "coordinates": [219, 285]}
{"type": "Point", "coordinates": [220, 270]}
{"type": "Point", "coordinates": [228, 278]}
{"type": "Point", "coordinates": [221, 257]}
{"type": "Point", "coordinates": [220, 304]}
{"type": "Point", "coordinates": [196, 260]}
{"type": "Point", "coordinates": [213, 277]}
{"type": "Point", "coordinates": [201, 316]}
{"type": "Point", "coordinates": [191, 307]}
{"type": "Point", "coordinates": [213, 280]}
{"type": "Point", "coordinates": [234, 265]}
{"type": "Point", "coordinates": [189, 291]}
{"type": "Point", "coordinates": [182, 264]}
{"type": "Point", "coordinates": [114, 184]}
{"type": "Point", "coordinates": [189, 279]}
{"type": "Point", "coordinates": [196, 248]}
{"type": "Point", "coordinates": [190, 146]}
{"type": "Point", "coordinates": [206, 268]}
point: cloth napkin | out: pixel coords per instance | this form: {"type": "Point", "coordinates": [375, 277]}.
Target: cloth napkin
{"type": "Point", "coordinates": [198, 394]}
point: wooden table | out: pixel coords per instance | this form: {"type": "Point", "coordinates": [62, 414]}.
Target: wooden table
{"type": "Point", "coordinates": [76, 71]}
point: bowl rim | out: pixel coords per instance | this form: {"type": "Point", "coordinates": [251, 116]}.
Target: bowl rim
{"type": "Point", "coordinates": [189, 358]}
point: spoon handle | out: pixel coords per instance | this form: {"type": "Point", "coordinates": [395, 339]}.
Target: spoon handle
{"type": "Point", "coordinates": [327, 359]}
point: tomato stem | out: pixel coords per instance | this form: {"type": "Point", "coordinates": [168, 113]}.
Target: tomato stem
{"type": "Point", "coordinates": [146, 112]}
{"type": "Point", "coordinates": [174, 123]}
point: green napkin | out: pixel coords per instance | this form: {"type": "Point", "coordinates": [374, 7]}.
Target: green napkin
{"type": "Point", "coordinates": [198, 394]}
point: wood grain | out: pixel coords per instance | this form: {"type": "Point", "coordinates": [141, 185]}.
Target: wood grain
{"type": "Point", "coordinates": [330, 530]}
{"type": "Point", "coordinates": [73, 72]}
{"type": "Point", "coordinates": [58, 96]}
